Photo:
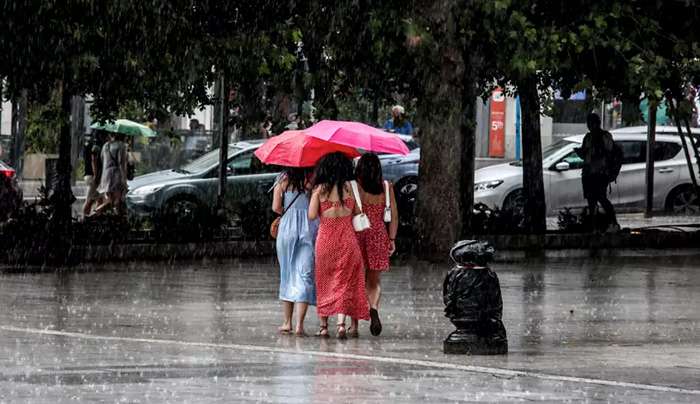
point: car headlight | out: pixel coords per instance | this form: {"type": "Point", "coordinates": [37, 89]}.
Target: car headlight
{"type": "Point", "coordinates": [483, 186]}
{"type": "Point", "coordinates": [143, 191]}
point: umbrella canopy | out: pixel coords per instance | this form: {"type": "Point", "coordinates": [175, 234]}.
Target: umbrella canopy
{"type": "Point", "coordinates": [358, 135]}
{"type": "Point", "coordinates": [125, 127]}
{"type": "Point", "coordinates": [294, 148]}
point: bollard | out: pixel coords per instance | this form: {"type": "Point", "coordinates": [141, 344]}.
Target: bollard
{"type": "Point", "coordinates": [473, 303]}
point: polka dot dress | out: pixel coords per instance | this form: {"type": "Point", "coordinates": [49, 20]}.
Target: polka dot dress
{"type": "Point", "coordinates": [340, 274]}
{"type": "Point", "coordinates": [374, 242]}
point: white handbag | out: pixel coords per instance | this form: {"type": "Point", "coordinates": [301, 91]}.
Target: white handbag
{"type": "Point", "coordinates": [387, 204]}
{"type": "Point", "coordinates": [360, 222]}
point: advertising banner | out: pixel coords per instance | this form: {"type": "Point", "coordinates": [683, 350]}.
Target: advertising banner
{"type": "Point", "coordinates": [497, 120]}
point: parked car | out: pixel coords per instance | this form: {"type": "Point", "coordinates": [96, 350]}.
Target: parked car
{"type": "Point", "coordinates": [402, 171]}
{"type": "Point", "coordinates": [6, 170]}
{"type": "Point", "coordinates": [10, 193]}
{"type": "Point", "coordinates": [189, 194]}
{"type": "Point", "coordinates": [501, 185]}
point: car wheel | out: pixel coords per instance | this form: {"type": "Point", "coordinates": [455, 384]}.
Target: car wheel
{"type": "Point", "coordinates": [184, 217]}
{"type": "Point", "coordinates": [515, 202]}
{"type": "Point", "coordinates": [683, 200]}
{"type": "Point", "coordinates": [255, 222]}
{"type": "Point", "coordinates": [406, 191]}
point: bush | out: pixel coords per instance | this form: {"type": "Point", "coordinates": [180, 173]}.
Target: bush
{"type": "Point", "coordinates": [497, 221]}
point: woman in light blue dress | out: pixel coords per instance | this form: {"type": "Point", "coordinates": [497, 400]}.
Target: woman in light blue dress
{"type": "Point", "coordinates": [295, 248]}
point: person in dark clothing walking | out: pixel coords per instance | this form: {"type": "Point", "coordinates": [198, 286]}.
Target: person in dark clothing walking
{"type": "Point", "coordinates": [599, 169]}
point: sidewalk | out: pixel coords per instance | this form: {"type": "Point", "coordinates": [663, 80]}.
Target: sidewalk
{"type": "Point", "coordinates": [30, 189]}
{"type": "Point", "coordinates": [637, 220]}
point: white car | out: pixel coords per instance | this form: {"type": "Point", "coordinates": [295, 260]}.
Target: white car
{"type": "Point", "coordinates": [501, 185]}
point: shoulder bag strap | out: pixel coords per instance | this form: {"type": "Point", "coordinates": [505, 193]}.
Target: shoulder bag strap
{"type": "Point", "coordinates": [386, 195]}
{"type": "Point", "coordinates": [356, 194]}
{"type": "Point", "coordinates": [114, 159]}
{"type": "Point", "coordinates": [290, 204]}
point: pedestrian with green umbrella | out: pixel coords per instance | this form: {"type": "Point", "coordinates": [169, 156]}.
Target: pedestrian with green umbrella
{"type": "Point", "coordinates": [114, 173]}
{"type": "Point", "coordinates": [113, 184]}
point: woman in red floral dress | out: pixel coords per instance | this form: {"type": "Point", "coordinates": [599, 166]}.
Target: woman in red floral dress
{"type": "Point", "coordinates": [377, 243]}
{"type": "Point", "coordinates": [340, 278]}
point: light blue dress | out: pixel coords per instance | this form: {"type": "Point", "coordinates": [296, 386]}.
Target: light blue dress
{"type": "Point", "coordinates": [295, 251]}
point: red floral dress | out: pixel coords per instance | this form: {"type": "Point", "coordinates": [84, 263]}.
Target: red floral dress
{"type": "Point", "coordinates": [374, 242]}
{"type": "Point", "coordinates": [340, 275]}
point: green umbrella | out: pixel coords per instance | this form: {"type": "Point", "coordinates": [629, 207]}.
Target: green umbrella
{"type": "Point", "coordinates": [126, 127]}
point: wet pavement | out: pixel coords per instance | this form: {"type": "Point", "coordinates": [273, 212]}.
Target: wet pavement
{"type": "Point", "coordinates": [620, 330]}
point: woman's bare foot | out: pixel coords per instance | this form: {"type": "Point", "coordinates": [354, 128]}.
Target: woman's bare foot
{"type": "Point", "coordinates": [285, 329]}
{"type": "Point", "coordinates": [323, 331]}
{"type": "Point", "coordinates": [342, 333]}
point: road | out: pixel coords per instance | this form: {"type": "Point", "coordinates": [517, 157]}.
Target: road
{"type": "Point", "coordinates": [583, 330]}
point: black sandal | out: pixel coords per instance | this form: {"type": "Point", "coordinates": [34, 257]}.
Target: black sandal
{"type": "Point", "coordinates": [342, 334]}
{"type": "Point", "coordinates": [323, 331]}
{"type": "Point", "coordinates": [375, 326]}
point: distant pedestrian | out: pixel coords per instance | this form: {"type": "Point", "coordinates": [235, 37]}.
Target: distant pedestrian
{"type": "Point", "coordinates": [398, 123]}
{"type": "Point", "coordinates": [340, 274]}
{"type": "Point", "coordinates": [114, 173]}
{"type": "Point", "coordinates": [377, 243]}
{"type": "Point", "coordinates": [601, 165]}
{"type": "Point", "coordinates": [266, 128]}
{"type": "Point", "coordinates": [296, 237]}
{"type": "Point", "coordinates": [93, 169]}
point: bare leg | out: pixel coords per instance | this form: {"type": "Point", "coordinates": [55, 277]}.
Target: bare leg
{"type": "Point", "coordinates": [609, 210]}
{"type": "Point", "coordinates": [374, 293]}
{"type": "Point", "coordinates": [106, 202]}
{"type": "Point", "coordinates": [288, 309]}
{"type": "Point", "coordinates": [87, 208]}
{"type": "Point", "coordinates": [374, 288]}
{"type": "Point", "coordinates": [342, 333]}
{"type": "Point", "coordinates": [118, 203]}
{"type": "Point", "coordinates": [354, 330]}
{"type": "Point", "coordinates": [301, 314]}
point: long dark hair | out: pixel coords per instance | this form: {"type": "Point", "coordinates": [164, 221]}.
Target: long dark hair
{"type": "Point", "coordinates": [369, 174]}
{"type": "Point", "coordinates": [333, 170]}
{"type": "Point", "coordinates": [296, 178]}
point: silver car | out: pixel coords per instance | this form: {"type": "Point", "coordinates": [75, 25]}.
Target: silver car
{"type": "Point", "coordinates": [501, 185]}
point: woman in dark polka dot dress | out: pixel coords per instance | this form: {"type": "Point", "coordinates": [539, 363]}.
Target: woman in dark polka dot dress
{"type": "Point", "coordinates": [377, 243]}
{"type": "Point", "coordinates": [340, 277]}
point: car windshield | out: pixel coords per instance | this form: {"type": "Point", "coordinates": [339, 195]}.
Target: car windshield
{"type": "Point", "coordinates": [207, 161]}
{"type": "Point", "coordinates": [549, 151]}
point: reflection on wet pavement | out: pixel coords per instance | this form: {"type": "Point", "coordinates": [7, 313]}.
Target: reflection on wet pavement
{"type": "Point", "coordinates": [200, 332]}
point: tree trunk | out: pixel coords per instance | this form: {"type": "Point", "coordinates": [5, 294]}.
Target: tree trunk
{"type": "Point", "coordinates": [446, 180]}
{"type": "Point", "coordinates": [77, 130]}
{"type": "Point", "coordinates": [63, 195]}
{"type": "Point", "coordinates": [217, 114]}
{"type": "Point", "coordinates": [651, 140]}
{"type": "Point", "coordinates": [19, 129]}
{"type": "Point", "coordinates": [223, 147]}
{"type": "Point", "coordinates": [533, 184]}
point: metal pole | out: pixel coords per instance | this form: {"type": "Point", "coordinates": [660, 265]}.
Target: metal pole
{"type": "Point", "coordinates": [19, 129]}
{"type": "Point", "coordinates": [223, 146]}
{"type": "Point", "coordinates": [651, 141]}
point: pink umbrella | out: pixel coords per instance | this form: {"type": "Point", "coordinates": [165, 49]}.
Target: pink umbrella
{"type": "Point", "coordinates": [358, 135]}
{"type": "Point", "coordinates": [294, 148]}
